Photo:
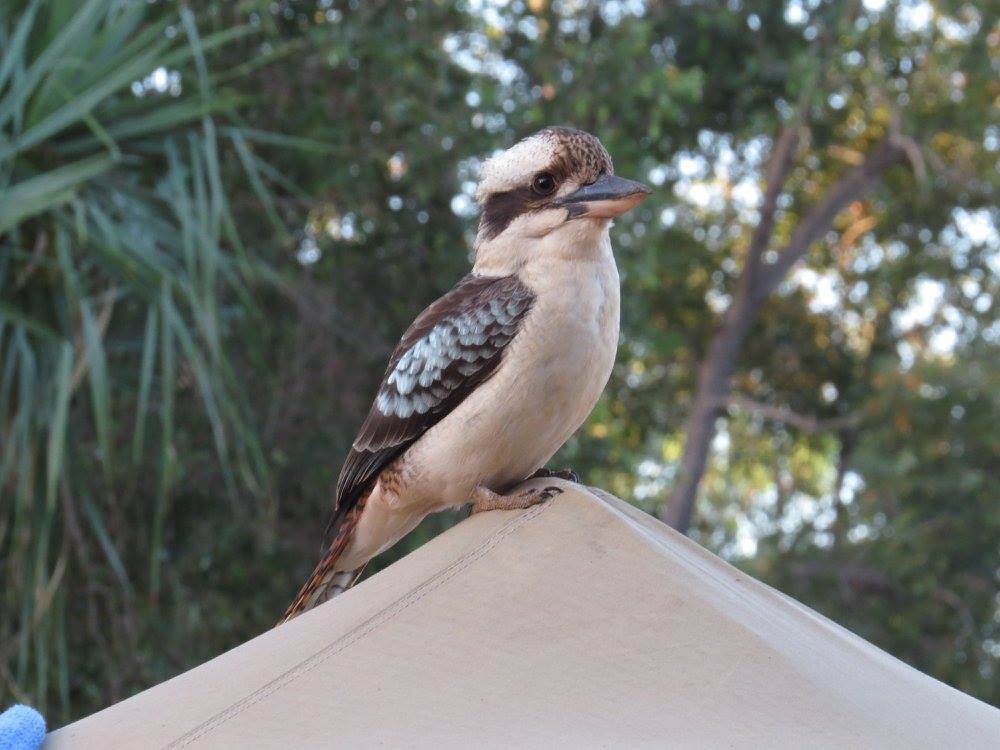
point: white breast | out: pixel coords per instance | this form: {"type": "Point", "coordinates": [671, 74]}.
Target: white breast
{"type": "Point", "coordinates": [551, 376]}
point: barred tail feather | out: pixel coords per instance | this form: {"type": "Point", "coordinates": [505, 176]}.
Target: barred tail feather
{"type": "Point", "coordinates": [326, 581]}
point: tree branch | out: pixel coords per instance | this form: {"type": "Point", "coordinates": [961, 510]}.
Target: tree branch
{"type": "Point", "coordinates": [783, 414]}
{"type": "Point", "coordinates": [853, 185]}
{"type": "Point", "coordinates": [779, 165]}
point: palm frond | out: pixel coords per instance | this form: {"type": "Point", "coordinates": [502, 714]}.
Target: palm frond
{"type": "Point", "coordinates": [118, 254]}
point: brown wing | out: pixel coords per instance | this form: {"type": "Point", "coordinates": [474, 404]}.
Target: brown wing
{"type": "Point", "coordinates": [450, 349]}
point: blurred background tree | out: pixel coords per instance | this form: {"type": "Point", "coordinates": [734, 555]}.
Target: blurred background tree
{"type": "Point", "coordinates": [197, 204]}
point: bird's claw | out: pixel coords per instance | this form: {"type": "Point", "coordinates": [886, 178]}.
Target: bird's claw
{"type": "Point", "coordinates": [547, 494]}
{"type": "Point", "coordinates": [568, 474]}
{"type": "Point", "coordinates": [484, 499]}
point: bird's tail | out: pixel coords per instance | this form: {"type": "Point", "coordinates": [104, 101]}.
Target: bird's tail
{"type": "Point", "coordinates": [326, 581]}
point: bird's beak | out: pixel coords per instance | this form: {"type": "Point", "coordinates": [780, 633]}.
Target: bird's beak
{"type": "Point", "coordinates": [609, 196]}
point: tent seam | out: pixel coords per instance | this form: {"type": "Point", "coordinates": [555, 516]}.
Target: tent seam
{"type": "Point", "coordinates": [376, 620]}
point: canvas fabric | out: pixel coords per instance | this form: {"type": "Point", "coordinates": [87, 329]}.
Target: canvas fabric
{"type": "Point", "coordinates": [580, 623]}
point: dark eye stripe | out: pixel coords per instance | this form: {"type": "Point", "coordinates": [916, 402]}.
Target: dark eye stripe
{"type": "Point", "coordinates": [500, 209]}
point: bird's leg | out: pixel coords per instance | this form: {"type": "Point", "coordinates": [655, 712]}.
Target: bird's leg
{"type": "Point", "coordinates": [568, 474]}
{"type": "Point", "coordinates": [484, 499]}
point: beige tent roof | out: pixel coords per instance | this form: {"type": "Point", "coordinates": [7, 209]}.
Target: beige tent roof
{"type": "Point", "coordinates": [579, 623]}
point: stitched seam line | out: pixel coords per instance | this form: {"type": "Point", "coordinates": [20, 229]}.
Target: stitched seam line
{"type": "Point", "coordinates": [379, 618]}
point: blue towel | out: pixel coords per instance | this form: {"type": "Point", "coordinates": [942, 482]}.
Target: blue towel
{"type": "Point", "coordinates": [21, 728]}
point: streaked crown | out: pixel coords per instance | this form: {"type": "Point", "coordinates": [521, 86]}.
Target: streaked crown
{"type": "Point", "coordinates": [567, 153]}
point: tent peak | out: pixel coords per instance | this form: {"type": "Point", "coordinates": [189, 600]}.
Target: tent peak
{"type": "Point", "coordinates": [582, 622]}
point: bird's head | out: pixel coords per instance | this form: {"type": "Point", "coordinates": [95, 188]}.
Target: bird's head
{"type": "Point", "coordinates": [558, 184]}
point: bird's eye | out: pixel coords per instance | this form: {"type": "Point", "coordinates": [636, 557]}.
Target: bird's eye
{"type": "Point", "coordinates": [544, 184]}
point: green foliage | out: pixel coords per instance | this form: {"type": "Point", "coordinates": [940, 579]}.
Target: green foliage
{"type": "Point", "coordinates": [119, 263]}
{"type": "Point", "coordinates": [909, 553]}
{"type": "Point", "coordinates": [199, 287]}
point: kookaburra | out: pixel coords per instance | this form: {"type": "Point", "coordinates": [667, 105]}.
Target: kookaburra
{"type": "Point", "coordinates": [491, 379]}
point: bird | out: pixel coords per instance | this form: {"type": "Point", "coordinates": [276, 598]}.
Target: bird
{"type": "Point", "coordinates": [490, 380]}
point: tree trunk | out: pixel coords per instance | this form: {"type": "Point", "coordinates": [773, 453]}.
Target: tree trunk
{"type": "Point", "coordinates": [714, 380]}
{"type": "Point", "coordinates": [756, 283]}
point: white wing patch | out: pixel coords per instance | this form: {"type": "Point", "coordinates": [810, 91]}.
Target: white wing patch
{"type": "Point", "coordinates": [436, 365]}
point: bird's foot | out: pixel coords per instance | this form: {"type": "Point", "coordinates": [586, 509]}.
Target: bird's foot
{"type": "Point", "coordinates": [484, 499]}
{"type": "Point", "coordinates": [568, 474]}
